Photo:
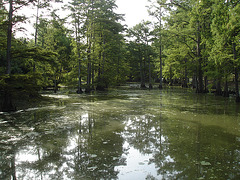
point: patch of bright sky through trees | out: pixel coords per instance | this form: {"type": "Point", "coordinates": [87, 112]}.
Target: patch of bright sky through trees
{"type": "Point", "coordinates": [134, 10]}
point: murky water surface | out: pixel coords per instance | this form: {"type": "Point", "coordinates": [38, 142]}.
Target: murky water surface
{"type": "Point", "coordinates": [123, 134]}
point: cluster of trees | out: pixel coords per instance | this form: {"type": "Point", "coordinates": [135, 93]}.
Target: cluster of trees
{"type": "Point", "coordinates": [199, 42]}
{"type": "Point", "coordinates": [191, 42]}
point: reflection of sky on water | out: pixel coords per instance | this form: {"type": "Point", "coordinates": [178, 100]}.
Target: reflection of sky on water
{"type": "Point", "coordinates": [58, 96]}
{"type": "Point", "coordinates": [137, 165]}
{"type": "Point", "coordinates": [26, 155]}
{"type": "Point", "coordinates": [125, 137]}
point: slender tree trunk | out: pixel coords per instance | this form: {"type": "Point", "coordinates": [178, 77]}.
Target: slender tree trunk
{"type": "Point", "coordinates": [236, 85]}
{"type": "Point", "coordinates": [194, 81]}
{"type": "Point", "coordinates": [161, 76]}
{"type": "Point", "coordinates": [79, 91]}
{"type": "Point", "coordinates": [89, 71]}
{"type": "Point", "coordinates": [103, 58]}
{"type": "Point", "coordinates": [160, 51]}
{"type": "Point", "coordinates": [226, 92]}
{"type": "Point", "coordinates": [149, 65]}
{"type": "Point", "coordinates": [199, 68]}
{"type": "Point", "coordinates": [236, 73]}
{"type": "Point", "coordinates": [206, 84]}
{"type": "Point", "coordinates": [118, 71]}
{"type": "Point", "coordinates": [93, 76]}
{"type": "Point", "coordinates": [36, 30]}
{"type": "Point", "coordinates": [218, 87]}
{"type": "Point", "coordinates": [88, 89]}
{"type": "Point", "coordinates": [185, 81]}
{"type": "Point", "coordinates": [144, 71]}
{"type": "Point", "coordinates": [77, 27]}
{"type": "Point", "coordinates": [101, 79]}
{"type": "Point", "coordinates": [9, 37]}
{"type": "Point", "coordinates": [141, 70]}
{"type": "Point", "coordinates": [150, 75]}
{"type": "Point", "coordinates": [55, 83]}
{"type": "Point", "coordinates": [7, 104]}
{"type": "Point", "coordinates": [142, 75]}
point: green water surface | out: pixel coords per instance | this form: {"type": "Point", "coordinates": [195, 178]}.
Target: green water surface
{"type": "Point", "coordinates": [125, 133]}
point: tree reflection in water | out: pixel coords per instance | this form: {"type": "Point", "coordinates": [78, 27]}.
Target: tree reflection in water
{"type": "Point", "coordinates": [123, 134]}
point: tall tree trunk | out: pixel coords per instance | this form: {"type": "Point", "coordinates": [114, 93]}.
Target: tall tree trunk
{"type": "Point", "coordinates": [7, 104]}
{"type": "Point", "coordinates": [88, 88]}
{"type": "Point", "coordinates": [236, 73]}
{"type": "Point", "coordinates": [236, 85]}
{"type": "Point", "coordinates": [77, 38]}
{"type": "Point", "coordinates": [142, 70]}
{"type": "Point", "coordinates": [89, 71]}
{"type": "Point", "coordinates": [199, 68]}
{"type": "Point", "coordinates": [194, 81]}
{"type": "Point", "coordinates": [185, 82]}
{"type": "Point", "coordinates": [55, 83]}
{"type": "Point", "coordinates": [149, 66]}
{"type": "Point", "coordinates": [118, 71]}
{"type": "Point", "coordinates": [161, 76]}
{"type": "Point", "coordinates": [150, 75]}
{"type": "Point", "coordinates": [226, 92]}
{"type": "Point", "coordinates": [9, 37]}
{"type": "Point", "coordinates": [36, 28]}
{"type": "Point", "coordinates": [142, 75]}
{"type": "Point", "coordinates": [92, 68]}
{"type": "Point", "coordinates": [93, 76]}
{"type": "Point", "coordinates": [36, 32]}
{"type": "Point", "coordinates": [103, 60]}
{"type": "Point", "coordinates": [101, 79]}
{"type": "Point", "coordinates": [206, 84]}
{"type": "Point", "coordinates": [218, 87]}
{"type": "Point", "coordinates": [160, 51]}
{"type": "Point", "coordinates": [79, 91]}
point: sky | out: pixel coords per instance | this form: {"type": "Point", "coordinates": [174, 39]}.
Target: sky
{"type": "Point", "coordinates": [135, 11]}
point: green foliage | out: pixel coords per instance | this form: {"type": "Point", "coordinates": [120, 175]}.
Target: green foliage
{"type": "Point", "coordinates": [20, 85]}
{"type": "Point", "coordinates": [190, 40]}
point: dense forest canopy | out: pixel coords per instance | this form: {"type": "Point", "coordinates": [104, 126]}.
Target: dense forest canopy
{"type": "Point", "coordinates": [191, 43]}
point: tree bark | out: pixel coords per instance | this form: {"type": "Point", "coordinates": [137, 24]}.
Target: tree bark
{"type": "Point", "coordinates": [194, 81]}
{"type": "Point", "coordinates": [9, 37]}
{"type": "Point", "coordinates": [218, 87]}
{"type": "Point", "coordinates": [185, 81]}
{"type": "Point", "coordinates": [88, 88]}
{"type": "Point", "coordinates": [206, 84]}
{"type": "Point", "coordinates": [226, 92]}
{"type": "Point", "coordinates": [150, 76]}
{"type": "Point", "coordinates": [142, 74]}
{"type": "Point", "coordinates": [149, 67]}
{"type": "Point", "coordinates": [199, 68]}
{"type": "Point", "coordinates": [79, 91]}
{"type": "Point", "coordinates": [236, 85]}
{"type": "Point", "coordinates": [160, 52]}
{"type": "Point", "coordinates": [236, 73]}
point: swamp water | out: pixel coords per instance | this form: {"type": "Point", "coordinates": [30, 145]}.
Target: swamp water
{"type": "Point", "coordinates": [123, 134]}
